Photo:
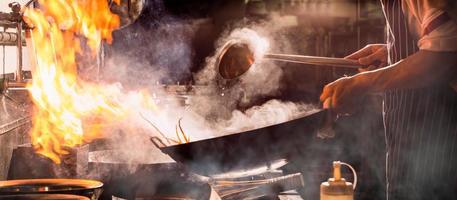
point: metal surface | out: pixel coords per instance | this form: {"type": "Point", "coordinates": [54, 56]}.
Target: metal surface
{"type": "Point", "coordinates": [150, 181]}
{"type": "Point", "coordinates": [87, 188]}
{"type": "Point", "coordinates": [5, 128]}
{"type": "Point", "coordinates": [315, 60]}
{"type": "Point", "coordinates": [16, 85]}
{"type": "Point", "coordinates": [132, 173]}
{"type": "Point", "coordinates": [8, 19]}
{"type": "Point", "coordinates": [255, 189]}
{"type": "Point", "coordinates": [19, 76]}
{"type": "Point", "coordinates": [7, 24]}
{"type": "Point", "coordinates": [5, 16]}
{"type": "Point", "coordinates": [7, 145]}
{"type": "Point", "coordinates": [12, 121]}
{"type": "Point", "coordinates": [7, 37]}
{"type": "Point", "coordinates": [248, 149]}
{"type": "Point", "coordinates": [250, 172]}
{"type": "Point", "coordinates": [128, 10]}
{"type": "Point", "coordinates": [236, 58]}
{"type": "Point", "coordinates": [12, 16]}
{"type": "Point", "coordinates": [44, 197]}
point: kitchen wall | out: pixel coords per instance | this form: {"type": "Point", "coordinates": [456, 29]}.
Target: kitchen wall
{"type": "Point", "coordinates": [10, 52]}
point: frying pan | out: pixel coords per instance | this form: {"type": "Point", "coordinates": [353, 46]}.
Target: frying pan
{"type": "Point", "coordinates": [246, 150]}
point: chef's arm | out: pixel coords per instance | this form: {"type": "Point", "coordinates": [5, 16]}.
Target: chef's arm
{"type": "Point", "coordinates": [423, 68]}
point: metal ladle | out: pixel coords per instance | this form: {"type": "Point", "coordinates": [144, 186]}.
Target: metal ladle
{"type": "Point", "coordinates": [236, 58]}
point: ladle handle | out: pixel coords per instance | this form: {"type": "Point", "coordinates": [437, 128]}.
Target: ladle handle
{"type": "Point", "coordinates": [157, 142]}
{"type": "Point", "coordinates": [315, 60]}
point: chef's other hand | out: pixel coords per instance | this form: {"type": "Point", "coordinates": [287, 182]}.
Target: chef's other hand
{"type": "Point", "coordinates": [373, 56]}
{"type": "Point", "coordinates": [342, 95]}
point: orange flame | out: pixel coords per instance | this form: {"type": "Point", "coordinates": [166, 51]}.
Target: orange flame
{"type": "Point", "coordinates": [69, 111]}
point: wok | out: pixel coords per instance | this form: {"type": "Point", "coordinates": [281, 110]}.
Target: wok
{"type": "Point", "coordinates": [88, 188]}
{"type": "Point", "coordinates": [246, 150]}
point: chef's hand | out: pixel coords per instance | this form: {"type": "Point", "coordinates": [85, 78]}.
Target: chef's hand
{"type": "Point", "coordinates": [342, 95]}
{"type": "Point", "coordinates": [373, 56]}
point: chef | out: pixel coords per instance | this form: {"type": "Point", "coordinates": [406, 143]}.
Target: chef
{"type": "Point", "coordinates": [414, 71]}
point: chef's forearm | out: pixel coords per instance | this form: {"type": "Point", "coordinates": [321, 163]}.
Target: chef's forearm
{"type": "Point", "coordinates": [418, 70]}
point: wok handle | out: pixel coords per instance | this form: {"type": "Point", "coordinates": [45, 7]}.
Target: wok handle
{"type": "Point", "coordinates": [157, 142]}
{"type": "Point", "coordinates": [326, 130]}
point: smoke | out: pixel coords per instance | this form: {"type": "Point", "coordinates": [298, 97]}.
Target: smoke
{"type": "Point", "coordinates": [271, 112]}
{"type": "Point", "coordinates": [143, 56]}
{"type": "Point", "coordinates": [258, 44]}
{"type": "Point", "coordinates": [262, 79]}
{"type": "Point", "coordinates": [166, 51]}
{"type": "Point", "coordinates": [163, 54]}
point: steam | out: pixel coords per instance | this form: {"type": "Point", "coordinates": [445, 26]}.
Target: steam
{"type": "Point", "coordinates": [211, 112]}
{"type": "Point", "coordinates": [258, 44]}
{"type": "Point", "coordinates": [272, 112]}
{"type": "Point", "coordinates": [263, 78]}
{"type": "Point", "coordinates": [144, 57]}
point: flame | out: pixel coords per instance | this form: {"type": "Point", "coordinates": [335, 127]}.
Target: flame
{"type": "Point", "coordinates": [185, 138]}
{"type": "Point", "coordinates": [69, 111]}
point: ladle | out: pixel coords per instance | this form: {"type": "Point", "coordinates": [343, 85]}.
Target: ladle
{"type": "Point", "coordinates": [236, 58]}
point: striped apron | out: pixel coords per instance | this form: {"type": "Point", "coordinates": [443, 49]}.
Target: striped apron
{"type": "Point", "coordinates": [420, 127]}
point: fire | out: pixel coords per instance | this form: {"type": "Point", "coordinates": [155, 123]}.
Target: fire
{"type": "Point", "coordinates": [70, 111]}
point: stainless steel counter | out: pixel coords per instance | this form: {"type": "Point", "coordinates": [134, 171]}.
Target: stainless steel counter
{"type": "Point", "coordinates": [13, 127]}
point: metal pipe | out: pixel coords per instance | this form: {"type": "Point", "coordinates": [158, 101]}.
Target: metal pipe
{"type": "Point", "coordinates": [15, 85]}
{"type": "Point", "coordinates": [5, 16]}
{"type": "Point", "coordinates": [7, 24]}
{"type": "Point", "coordinates": [19, 77]}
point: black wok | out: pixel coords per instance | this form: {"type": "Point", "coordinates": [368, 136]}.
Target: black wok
{"type": "Point", "coordinates": [246, 150]}
{"type": "Point", "coordinates": [88, 188]}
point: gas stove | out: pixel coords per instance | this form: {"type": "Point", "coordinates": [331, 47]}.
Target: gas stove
{"type": "Point", "coordinates": [162, 178]}
{"type": "Point", "coordinates": [157, 178]}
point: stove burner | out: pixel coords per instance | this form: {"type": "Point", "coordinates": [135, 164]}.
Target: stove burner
{"type": "Point", "coordinates": [256, 187]}
{"type": "Point", "coordinates": [158, 177]}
